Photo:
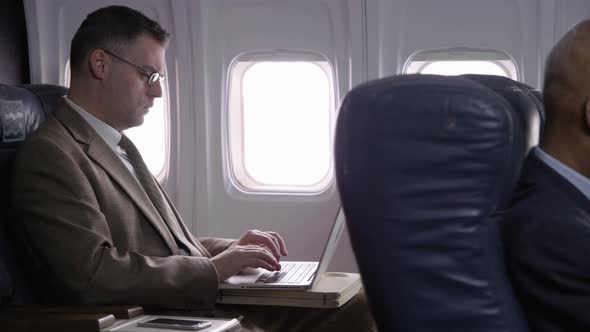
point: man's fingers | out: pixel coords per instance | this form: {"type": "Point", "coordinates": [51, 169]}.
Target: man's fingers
{"type": "Point", "coordinates": [264, 239]}
{"type": "Point", "coordinates": [271, 240]}
{"type": "Point", "coordinates": [260, 253]}
{"type": "Point", "coordinates": [257, 262]}
{"type": "Point", "coordinates": [280, 242]}
{"type": "Point", "coordinates": [238, 257]}
{"type": "Point", "coordinates": [272, 243]}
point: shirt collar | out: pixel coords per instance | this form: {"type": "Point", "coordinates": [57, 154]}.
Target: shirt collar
{"type": "Point", "coordinates": [581, 182]}
{"type": "Point", "coordinates": [109, 134]}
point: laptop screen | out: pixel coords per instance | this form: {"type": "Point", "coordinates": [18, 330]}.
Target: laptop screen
{"type": "Point", "coordinates": [331, 245]}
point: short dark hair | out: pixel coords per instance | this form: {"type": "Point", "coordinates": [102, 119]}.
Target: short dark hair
{"type": "Point", "coordinates": [112, 28]}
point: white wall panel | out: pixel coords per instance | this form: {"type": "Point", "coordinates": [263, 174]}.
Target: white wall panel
{"type": "Point", "coordinates": [570, 13]}
{"type": "Point", "coordinates": [226, 29]}
{"type": "Point", "coordinates": [406, 27]}
{"type": "Point", "coordinates": [526, 29]}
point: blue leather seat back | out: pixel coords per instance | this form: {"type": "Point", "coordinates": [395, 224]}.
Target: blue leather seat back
{"type": "Point", "coordinates": [423, 162]}
{"type": "Point", "coordinates": [22, 110]}
{"type": "Point", "coordinates": [527, 102]}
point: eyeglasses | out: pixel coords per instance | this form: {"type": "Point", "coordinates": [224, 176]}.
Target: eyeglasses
{"type": "Point", "coordinates": [152, 77]}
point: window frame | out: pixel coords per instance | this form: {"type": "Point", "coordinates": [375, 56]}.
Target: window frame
{"type": "Point", "coordinates": [234, 161]}
{"type": "Point", "coordinates": [495, 56]}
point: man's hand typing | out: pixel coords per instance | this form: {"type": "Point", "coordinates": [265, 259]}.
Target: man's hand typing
{"type": "Point", "coordinates": [238, 257]}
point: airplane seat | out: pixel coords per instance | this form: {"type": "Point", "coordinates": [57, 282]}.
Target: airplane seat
{"type": "Point", "coordinates": [423, 163]}
{"type": "Point", "coordinates": [527, 99]}
{"type": "Point", "coordinates": [22, 109]}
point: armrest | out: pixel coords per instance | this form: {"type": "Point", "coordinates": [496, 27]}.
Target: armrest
{"type": "Point", "coordinates": [25, 322]}
{"type": "Point", "coordinates": [119, 311]}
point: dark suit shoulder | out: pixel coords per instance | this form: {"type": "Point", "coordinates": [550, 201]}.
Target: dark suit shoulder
{"type": "Point", "coordinates": [546, 233]}
{"type": "Point", "coordinates": [543, 192]}
{"type": "Point", "coordinates": [544, 205]}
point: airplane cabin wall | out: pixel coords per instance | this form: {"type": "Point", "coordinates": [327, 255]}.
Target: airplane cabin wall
{"type": "Point", "coordinates": [525, 29]}
{"type": "Point", "coordinates": [360, 39]}
{"type": "Point", "coordinates": [231, 28]}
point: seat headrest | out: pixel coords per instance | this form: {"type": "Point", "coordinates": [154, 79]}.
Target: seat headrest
{"type": "Point", "coordinates": [526, 100]}
{"type": "Point", "coordinates": [22, 110]}
{"type": "Point", "coordinates": [422, 164]}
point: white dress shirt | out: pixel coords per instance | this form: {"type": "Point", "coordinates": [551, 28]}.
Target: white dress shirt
{"type": "Point", "coordinates": [109, 134]}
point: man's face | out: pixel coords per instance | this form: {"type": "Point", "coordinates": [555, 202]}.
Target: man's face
{"type": "Point", "coordinates": [129, 92]}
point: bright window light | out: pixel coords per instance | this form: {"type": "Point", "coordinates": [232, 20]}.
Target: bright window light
{"type": "Point", "coordinates": [463, 67]}
{"type": "Point", "coordinates": [281, 125]}
{"type": "Point", "coordinates": [150, 137]}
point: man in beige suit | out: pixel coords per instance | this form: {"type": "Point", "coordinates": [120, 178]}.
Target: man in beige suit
{"type": "Point", "coordinates": [97, 224]}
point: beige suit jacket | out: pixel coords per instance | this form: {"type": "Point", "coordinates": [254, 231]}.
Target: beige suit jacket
{"type": "Point", "coordinates": [93, 231]}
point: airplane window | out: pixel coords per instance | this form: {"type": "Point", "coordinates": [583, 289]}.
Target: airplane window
{"type": "Point", "coordinates": [281, 125]}
{"type": "Point", "coordinates": [458, 61]}
{"type": "Point", "coordinates": [151, 137]}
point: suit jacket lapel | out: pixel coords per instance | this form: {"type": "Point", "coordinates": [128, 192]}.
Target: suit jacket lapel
{"type": "Point", "coordinates": [181, 232]}
{"type": "Point", "coordinates": [104, 156]}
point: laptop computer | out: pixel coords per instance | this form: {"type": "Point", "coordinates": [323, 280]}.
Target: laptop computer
{"type": "Point", "coordinates": [293, 275]}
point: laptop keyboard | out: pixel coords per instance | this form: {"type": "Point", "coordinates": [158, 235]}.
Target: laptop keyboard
{"type": "Point", "coordinates": [289, 274]}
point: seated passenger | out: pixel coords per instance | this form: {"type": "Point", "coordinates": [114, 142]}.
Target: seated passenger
{"type": "Point", "coordinates": [97, 223]}
{"type": "Point", "coordinates": [547, 229]}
